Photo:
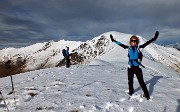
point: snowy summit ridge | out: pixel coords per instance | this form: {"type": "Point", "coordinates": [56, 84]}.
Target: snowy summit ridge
{"type": "Point", "coordinates": [49, 54]}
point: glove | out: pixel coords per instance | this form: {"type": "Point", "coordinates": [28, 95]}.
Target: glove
{"type": "Point", "coordinates": [112, 39]}
{"type": "Point", "coordinates": [156, 35]}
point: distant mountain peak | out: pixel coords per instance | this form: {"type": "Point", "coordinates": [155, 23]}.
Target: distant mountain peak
{"type": "Point", "coordinates": [49, 54]}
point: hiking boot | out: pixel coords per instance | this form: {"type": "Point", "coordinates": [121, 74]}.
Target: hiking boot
{"type": "Point", "coordinates": [147, 97]}
{"type": "Point", "coordinates": [130, 94]}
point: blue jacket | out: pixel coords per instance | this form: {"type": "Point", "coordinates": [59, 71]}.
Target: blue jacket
{"type": "Point", "coordinates": [133, 54]}
{"type": "Point", "coordinates": [133, 51]}
{"type": "Point", "coordinates": [67, 53]}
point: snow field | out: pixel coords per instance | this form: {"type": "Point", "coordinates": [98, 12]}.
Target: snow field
{"type": "Point", "coordinates": [98, 87]}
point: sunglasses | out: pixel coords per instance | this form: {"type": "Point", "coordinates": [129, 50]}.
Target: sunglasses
{"type": "Point", "coordinates": [133, 41]}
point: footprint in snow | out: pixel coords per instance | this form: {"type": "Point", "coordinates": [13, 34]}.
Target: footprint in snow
{"type": "Point", "coordinates": [93, 108]}
{"type": "Point", "coordinates": [30, 93]}
{"type": "Point", "coordinates": [57, 83]}
{"type": "Point", "coordinates": [96, 107]}
{"type": "Point", "coordinates": [109, 106]}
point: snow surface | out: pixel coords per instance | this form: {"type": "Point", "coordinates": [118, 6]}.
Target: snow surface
{"type": "Point", "coordinates": [99, 86]}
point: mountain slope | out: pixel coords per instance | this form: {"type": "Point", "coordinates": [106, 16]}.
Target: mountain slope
{"type": "Point", "coordinates": [38, 56]}
{"type": "Point", "coordinates": [101, 46]}
{"type": "Point", "coordinates": [177, 45]}
{"type": "Point", "coordinates": [45, 55]}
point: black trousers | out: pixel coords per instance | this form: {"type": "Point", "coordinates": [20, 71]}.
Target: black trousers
{"type": "Point", "coordinates": [67, 61]}
{"type": "Point", "coordinates": [139, 75]}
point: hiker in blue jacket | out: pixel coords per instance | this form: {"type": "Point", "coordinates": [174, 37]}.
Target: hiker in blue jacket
{"type": "Point", "coordinates": [134, 55]}
{"type": "Point", "coordinates": [67, 58]}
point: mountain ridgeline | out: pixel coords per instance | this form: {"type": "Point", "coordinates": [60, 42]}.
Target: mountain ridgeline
{"type": "Point", "coordinates": [49, 54]}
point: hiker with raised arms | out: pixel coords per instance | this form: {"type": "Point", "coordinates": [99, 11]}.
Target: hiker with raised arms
{"type": "Point", "coordinates": [135, 55]}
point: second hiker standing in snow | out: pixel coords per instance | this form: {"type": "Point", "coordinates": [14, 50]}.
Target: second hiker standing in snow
{"type": "Point", "coordinates": [134, 55]}
{"type": "Point", "coordinates": [66, 56]}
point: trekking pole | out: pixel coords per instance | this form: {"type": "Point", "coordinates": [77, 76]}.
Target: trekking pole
{"type": "Point", "coordinates": [13, 89]}
{"type": "Point", "coordinates": [8, 66]}
{"type": "Point", "coordinates": [4, 101]}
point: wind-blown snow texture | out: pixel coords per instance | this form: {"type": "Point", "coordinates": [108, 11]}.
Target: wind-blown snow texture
{"type": "Point", "coordinates": [98, 87]}
{"type": "Point", "coordinates": [101, 85]}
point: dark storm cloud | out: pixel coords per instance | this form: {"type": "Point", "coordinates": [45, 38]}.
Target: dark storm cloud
{"type": "Point", "coordinates": [42, 20]}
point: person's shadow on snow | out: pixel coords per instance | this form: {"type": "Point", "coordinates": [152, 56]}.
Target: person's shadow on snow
{"type": "Point", "coordinates": [152, 83]}
{"type": "Point", "coordinates": [178, 108]}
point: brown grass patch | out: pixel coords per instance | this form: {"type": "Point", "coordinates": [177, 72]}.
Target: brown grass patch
{"type": "Point", "coordinates": [12, 69]}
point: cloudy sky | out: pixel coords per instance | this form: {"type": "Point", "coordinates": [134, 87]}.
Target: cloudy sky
{"type": "Point", "coordinates": [24, 22]}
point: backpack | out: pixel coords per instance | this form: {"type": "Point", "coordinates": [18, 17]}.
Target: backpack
{"type": "Point", "coordinates": [64, 52]}
{"type": "Point", "coordinates": [140, 55]}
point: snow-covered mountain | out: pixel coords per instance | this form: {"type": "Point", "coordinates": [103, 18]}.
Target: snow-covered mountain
{"type": "Point", "coordinates": [48, 54]}
{"type": "Point", "coordinates": [99, 84]}
{"type": "Point", "coordinates": [37, 56]}
{"type": "Point", "coordinates": [101, 46]}
{"type": "Point", "coordinates": [177, 46]}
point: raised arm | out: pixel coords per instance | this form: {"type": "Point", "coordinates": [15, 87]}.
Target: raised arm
{"type": "Point", "coordinates": [118, 43]}
{"type": "Point", "coordinates": [150, 41]}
